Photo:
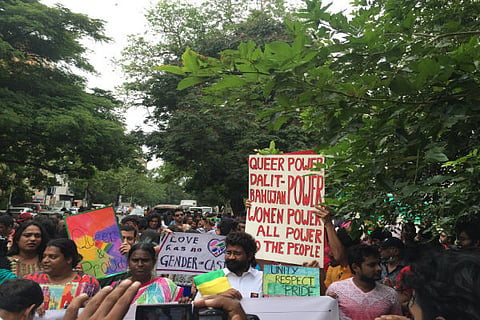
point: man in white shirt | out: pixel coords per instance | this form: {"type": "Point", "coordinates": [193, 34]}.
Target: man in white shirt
{"type": "Point", "coordinates": [239, 260]}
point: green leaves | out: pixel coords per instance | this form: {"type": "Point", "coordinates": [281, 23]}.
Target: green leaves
{"type": "Point", "coordinates": [436, 154]}
{"type": "Point", "coordinates": [390, 93]}
{"type": "Point", "coordinates": [189, 82]}
{"type": "Point", "coordinates": [172, 69]}
{"type": "Point", "coordinates": [48, 123]}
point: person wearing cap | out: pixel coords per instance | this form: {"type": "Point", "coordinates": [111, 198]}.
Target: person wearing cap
{"type": "Point", "coordinates": [391, 253]}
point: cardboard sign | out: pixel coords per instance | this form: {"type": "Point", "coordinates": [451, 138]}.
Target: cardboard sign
{"type": "Point", "coordinates": [291, 281]}
{"type": "Point", "coordinates": [98, 239]}
{"type": "Point", "coordinates": [192, 253]}
{"type": "Point", "coordinates": [283, 190]}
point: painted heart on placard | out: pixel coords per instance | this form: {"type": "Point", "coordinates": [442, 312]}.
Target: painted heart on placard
{"type": "Point", "coordinates": [216, 247]}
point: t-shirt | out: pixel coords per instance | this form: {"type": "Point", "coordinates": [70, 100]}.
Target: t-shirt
{"type": "Point", "coordinates": [355, 304]}
{"type": "Point", "coordinates": [59, 296]}
{"type": "Point", "coordinates": [336, 274]}
{"type": "Point", "coordinates": [393, 275]}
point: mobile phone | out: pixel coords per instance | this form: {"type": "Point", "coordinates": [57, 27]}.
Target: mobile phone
{"type": "Point", "coordinates": [209, 314]}
{"type": "Point", "coordinates": [164, 311]}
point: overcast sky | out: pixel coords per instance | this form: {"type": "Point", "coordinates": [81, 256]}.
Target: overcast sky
{"type": "Point", "coordinates": [122, 18]}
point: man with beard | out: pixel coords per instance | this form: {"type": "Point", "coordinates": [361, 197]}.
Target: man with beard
{"type": "Point", "coordinates": [239, 259]}
{"type": "Point", "coordinates": [360, 297]}
{"type": "Point", "coordinates": [178, 220]}
{"type": "Point", "coordinates": [391, 252]}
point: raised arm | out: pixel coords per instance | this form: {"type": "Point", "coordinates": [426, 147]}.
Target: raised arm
{"type": "Point", "coordinates": [336, 247]}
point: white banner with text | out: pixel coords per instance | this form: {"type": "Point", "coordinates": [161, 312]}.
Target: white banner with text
{"type": "Point", "coordinates": [283, 190]}
{"type": "Point", "coordinates": [190, 253]}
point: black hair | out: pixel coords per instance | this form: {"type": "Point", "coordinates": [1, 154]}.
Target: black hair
{"type": "Point", "coordinates": [471, 227]}
{"type": "Point", "coordinates": [18, 294]}
{"type": "Point", "coordinates": [358, 253]}
{"type": "Point", "coordinates": [244, 240]}
{"type": "Point", "coordinates": [154, 215]}
{"type": "Point", "coordinates": [447, 284]}
{"type": "Point", "coordinates": [68, 248]}
{"type": "Point", "coordinates": [145, 246]}
{"type": "Point", "coordinates": [131, 218]}
{"type": "Point", "coordinates": [150, 236]}
{"type": "Point", "coordinates": [18, 233]}
{"type": "Point", "coordinates": [6, 220]}
{"type": "Point", "coordinates": [345, 238]}
{"type": "Point", "coordinates": [227, 226]}
{"type": "Point", "coordinates": [49, 225]}
{"type": "Point", "coordinates": [380, 234]}
{"type": "Point", "coordinates": [142, 223]}
{"type": "Point", "coordinates": [127, 228]}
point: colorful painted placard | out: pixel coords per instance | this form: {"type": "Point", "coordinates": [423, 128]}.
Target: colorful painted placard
{"type": "Point", "coordinates": [98, 239]}
{"type": "Point", "coordinates": [291, 281]}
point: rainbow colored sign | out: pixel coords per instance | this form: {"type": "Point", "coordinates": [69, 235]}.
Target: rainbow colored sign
{"type": "Point", "coordinates": [98, 240]}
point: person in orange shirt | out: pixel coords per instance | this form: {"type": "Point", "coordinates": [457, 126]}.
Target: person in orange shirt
{"type": "Point", "coordinates": [338, 243]}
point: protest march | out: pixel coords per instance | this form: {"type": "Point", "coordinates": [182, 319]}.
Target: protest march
{"type": "Point", "coordinates": [287, 255]}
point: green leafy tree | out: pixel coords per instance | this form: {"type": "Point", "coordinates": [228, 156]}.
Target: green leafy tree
{"type": "Point", "coordinates": [135, 185]}
{"type": "Point", "coordinates": [207, 143]}
{"type": "Point", "coordinates": [391, 95]}
{"type": "Point", "coordinates": [48, 122]}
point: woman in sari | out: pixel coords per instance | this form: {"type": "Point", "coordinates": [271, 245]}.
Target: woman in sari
{"type": "Point", "coordinates": [59, 280]}
{"type": "Point", "coordinates": [141, 262]}
{"type": "Point", "coordinates": [27, 248]}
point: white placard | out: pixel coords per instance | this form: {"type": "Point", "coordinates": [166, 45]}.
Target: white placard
{"type": "Point", "coordinates": [283, 191]}
{"type": "Point", "coordinates": [190, 253]}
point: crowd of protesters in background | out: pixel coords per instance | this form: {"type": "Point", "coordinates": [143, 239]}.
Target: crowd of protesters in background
{"type": "Point", "coordinates": [375, 276]}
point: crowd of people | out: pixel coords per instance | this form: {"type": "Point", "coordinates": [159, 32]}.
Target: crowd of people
{"type": "Point", "coordinates": [410, 275]}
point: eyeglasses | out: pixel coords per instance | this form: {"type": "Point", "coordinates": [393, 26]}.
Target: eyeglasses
{"type": "Point", "coordinates": [179, 215]}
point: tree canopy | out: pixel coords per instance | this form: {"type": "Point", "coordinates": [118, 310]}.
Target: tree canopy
{"type": "Point", "coordinates": [206, 143]}
{"type": "Point", "coordinates": [391, 93]}
{"type": "Point", "coordinates": [49, 123]}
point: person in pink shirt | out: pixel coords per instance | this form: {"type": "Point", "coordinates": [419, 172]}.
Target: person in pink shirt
{"type": "Point", "coordinates": [361, 297]}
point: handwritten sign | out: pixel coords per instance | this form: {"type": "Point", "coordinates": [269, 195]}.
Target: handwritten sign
{"type": "Point", "coordinates": [283, 190]}
{"type": "Point", "coordinates": [291, 281]}
{"type": "Point", "coordinates": [191, 253]}
{"type": "Point", "coordinates": [98, 239]}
